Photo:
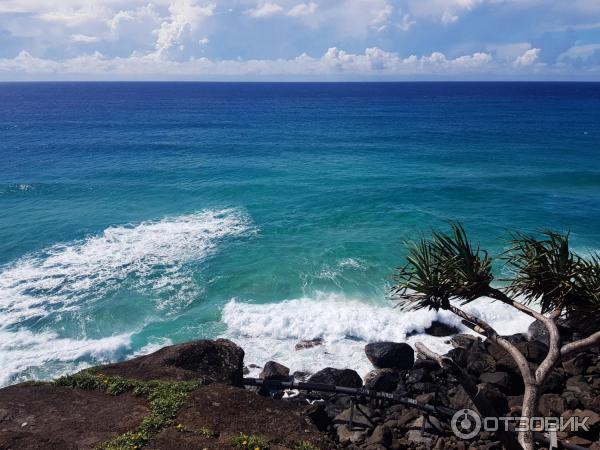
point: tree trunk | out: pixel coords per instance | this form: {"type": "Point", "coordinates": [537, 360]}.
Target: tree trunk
{"type": "Point", "coordinates": [530, 403]}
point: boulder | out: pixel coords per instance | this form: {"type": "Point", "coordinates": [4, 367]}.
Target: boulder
{"type": "Point", "coordinates": [390, 355]}
{"type": "Point", "coordinates": [275, 371]}
{"type": "Point", "coordinates": [384, 380]}
{"type": "Point", "coordinates": [382, 435]}
{"type": "Point", "coordinates": [441, 329]}
{"type": "Point", "coordinates": [301, 345]}
{"type": "Point", "coordinates": [346, 436]}
{"type": "Point", "coordinates": [502, 380]}
{"type": "Point", "coordinates": [552, 405]}
{"type": "Point", "coordinates": [212, 361]}
{"type": "Point", "coordinates": [318, 415]}
{"type": "Point", "coordinates": [467, 341]}
{"type": "Point", "coordinates": [339, 377]}
{"type": "Point", "coordinates": [576, 365]}
{"type": "Point", "coordinates": [537, 331]}
{"type": "Point", "coordinates": [361, 417]}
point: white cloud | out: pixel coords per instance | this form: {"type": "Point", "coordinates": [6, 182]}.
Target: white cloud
{"type": "Point", "coordinates": [448, 18]}
{"type": "Point", "coordinates": [406, 22]}
{"type": "Point", "coordinates": [580, 52]}
{"type": "Point", "coordinates": [84, 38]}
{"type": "Point", "coordinates": [528, 58]}
{"type": "Point", "coordinates": [265, 10]}
{"type": "Point", "coordinates": [303, 9]}
{"type": "Point", "coordinates": [334, 62]}
{"type": "Point", "coordinates": [179, 29]}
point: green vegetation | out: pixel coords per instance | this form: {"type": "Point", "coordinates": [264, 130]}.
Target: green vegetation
{"type": "Point", "coordinates": [165, 399]}
{"type": "Point", "coordinates": [305, 445]}
{"type": "Point", "coordinates": [249, 442]}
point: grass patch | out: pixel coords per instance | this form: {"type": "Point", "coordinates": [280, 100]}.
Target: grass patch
{"type": "Point", "coordinates": [165, 399]}
{"type": "Point", "coordinates": [305, 445]}
{"type": "Point", "coordinates": [249, 442]}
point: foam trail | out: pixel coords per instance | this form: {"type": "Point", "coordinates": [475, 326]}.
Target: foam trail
{"type": "Point", "coordinates": [25, 355]}
{"type": "Point", "coordinates": [270, 331]}
{"type": "Point", "coordinates": [152, 253]}
{"type": "Point", "coordinates": [150, 256]}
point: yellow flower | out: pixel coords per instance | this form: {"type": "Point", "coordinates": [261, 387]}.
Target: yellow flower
{"type": "Point", "coordinates": [179, 426]}
{"type": "Point", "coordinates": [245, 443]}
{"type": "Point", "coordinates": [257, 448]}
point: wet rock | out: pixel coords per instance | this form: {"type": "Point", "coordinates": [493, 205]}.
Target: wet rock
{"type": "Point", "coordinates": [339, 377]}
{"type": "Point", "coordinates": [441, 329]}
{"type": "Point", "coordinates": [418, 376]}
{"type": "Point", "coordinates": [301, 345]}
{"type": "Point", "coordinates": [390, 355]}
{"type": "Point", "coordinates": [275, 371]}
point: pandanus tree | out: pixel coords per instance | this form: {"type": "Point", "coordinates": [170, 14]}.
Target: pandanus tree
{"type": "Point", "coordinates": [549, 282]}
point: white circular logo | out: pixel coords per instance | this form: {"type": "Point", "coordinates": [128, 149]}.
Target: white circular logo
{"type": "Point", "coordinates": [466, 423]}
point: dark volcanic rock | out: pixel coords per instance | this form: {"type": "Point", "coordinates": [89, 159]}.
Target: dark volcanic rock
{"type": "Point", "coordinates": [467, 341]}
{"type": "Point", "coordinates": [275, 371]}
{"type": "Point", "coordinates": [220, 360]}
{"type": "Point", "coordinates": [390, 355]}
{"type": "Point", "coordinates": [339, 377]}
{"type": "Point", "coordinates": [441, 329]}
{"type": "Point", "coordinates": [385, 380]}
{"type": "Point", "coordinates": [301, 345]}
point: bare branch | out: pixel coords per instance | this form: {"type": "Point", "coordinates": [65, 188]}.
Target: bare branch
{"type": "Point", "coordinates": [582, 344]}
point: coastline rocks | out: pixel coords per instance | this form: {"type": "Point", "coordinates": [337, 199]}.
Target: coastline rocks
{"type": "Point", "coordinates": [390, 355]}
{"type": "Point", "coordinates": [384, 380]}
{"type": "Point", "coordinates": [441, 329]}
{"type": "Point", "coordinates": [301, 345]}
{"type": "Point", "coordinates": [339, 377]}
{"type": "Point", "coordinates": [212, 361]}
{"type": "Point", "coordinates": [275, 371]}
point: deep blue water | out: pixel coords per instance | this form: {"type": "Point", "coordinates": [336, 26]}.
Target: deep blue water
{"type": "Point", "coordinates": [133, 212]}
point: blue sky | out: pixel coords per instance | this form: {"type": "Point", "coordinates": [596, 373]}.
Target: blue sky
{"type": "Point", "coordinates": [300, 40]}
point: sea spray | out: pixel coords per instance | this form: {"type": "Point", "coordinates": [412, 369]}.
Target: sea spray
{"type": "Point", "coordinates": [270, 331]}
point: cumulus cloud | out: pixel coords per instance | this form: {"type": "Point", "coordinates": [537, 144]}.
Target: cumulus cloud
{"type": "Point", "coordinates": [303, 9]}
{"type": "Point", "coordinates": [528, 58]}
{"type": "Point", "coordinates": [83, 38]}
{"type": "Point", "coordinates": [265, 10]}
{"type": "Point", "coordinates": [179, 30]}
{"type": "Point", "coordinates": [334, 62]}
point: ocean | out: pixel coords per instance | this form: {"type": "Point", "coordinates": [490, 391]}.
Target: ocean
{"type": "Point", "coordinates": [135, 215]}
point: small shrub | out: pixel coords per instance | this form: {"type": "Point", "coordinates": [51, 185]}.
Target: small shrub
{"type": "Point", "coordinates": [249, 442]}
{"type": "Point", "coordinates": [305, 445]}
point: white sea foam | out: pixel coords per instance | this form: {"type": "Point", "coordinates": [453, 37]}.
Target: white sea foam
{"type": "Point", "coordinates": [151, 253]}
{"type": "Point", "coordinates": [25, 355]}
{"type": "Point", "coordinates": [149, 256]}
{"type": "Point", "coordinates": [270, 331]}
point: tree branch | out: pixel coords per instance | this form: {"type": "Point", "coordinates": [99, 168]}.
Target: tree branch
{"type": "Point", "coordinates": [581, 344]}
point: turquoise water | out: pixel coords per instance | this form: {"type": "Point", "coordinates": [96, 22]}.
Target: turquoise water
{"type": "Point", "coordinates": [133, 213]}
